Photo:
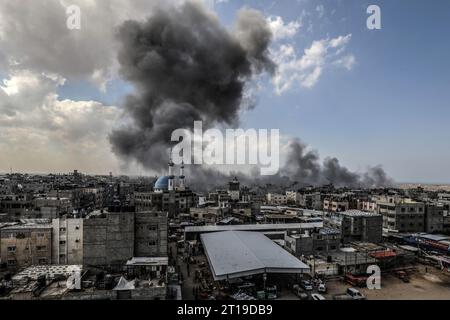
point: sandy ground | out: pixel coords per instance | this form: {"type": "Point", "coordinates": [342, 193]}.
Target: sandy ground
{"type": "Point", "coordinates": [431, 285]}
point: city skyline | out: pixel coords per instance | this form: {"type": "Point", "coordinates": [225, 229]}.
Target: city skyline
{"type": "Point", "coordinates": [367, 97]}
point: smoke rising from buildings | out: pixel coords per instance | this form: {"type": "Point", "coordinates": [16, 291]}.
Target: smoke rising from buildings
{"type": "Point", "coordinates": [185, 66]}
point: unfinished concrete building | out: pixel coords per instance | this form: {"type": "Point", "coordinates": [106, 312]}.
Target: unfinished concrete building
{"type": "Point", "coordinates": [355, 225]}
{"type": "Point", "coordinates": [108, 239]}
{"type": "Point", "coordinates": [150, 234]}
{"type": "Point", "coordinates": [402, 215]}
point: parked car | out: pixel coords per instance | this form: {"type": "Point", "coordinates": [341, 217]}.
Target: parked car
{"type": "Point", "coordinates": [355, 294]}
{"type": "Point", "coordinates": [351, 294]}
{"type": "Point", "coordinates": [322, 288]}
{"type": "Point", "coordinates": [316, 296]}
{"type": "Point", "coordinates": [305, 284]}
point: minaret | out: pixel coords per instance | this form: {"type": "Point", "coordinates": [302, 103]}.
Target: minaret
{"type": "Point", "coordinates": [171, 176]}
{"type": "Point", "coordinates": [182, 177]}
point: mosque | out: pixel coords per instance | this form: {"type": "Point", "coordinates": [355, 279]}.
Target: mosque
{"type": "Point", "coordinates": [168, 196]}
{"type": "Point", "coordinates": [167, 183]}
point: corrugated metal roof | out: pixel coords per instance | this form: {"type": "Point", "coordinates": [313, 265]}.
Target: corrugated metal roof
{"type": "Point", "coordinates": [235, 254]}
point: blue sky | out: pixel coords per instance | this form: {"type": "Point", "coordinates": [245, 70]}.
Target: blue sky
{"type": "Point", "coordinates": [391, 108]}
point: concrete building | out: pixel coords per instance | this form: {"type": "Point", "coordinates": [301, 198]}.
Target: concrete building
{"type": "Point", "coordinates": [355, 225]}
{"type": "Point", "coordinates": [67, 247]}
{"type": "Point", "coordinates": [311, 201]}
{"type": "Point", "coordinates": [52, 207]}
{"type": "Point", "coordinates": [402, 215]}
{"type": "Point", "coordinates": [434, 218]}
{"type": "Point", "coordinates": [207, 214]}
{"type": "Point", "coordinates": [335, 205]}
{"type": "Point", "coordinates": [25, 245]}
{"type": "Point", "coordinates": [276, 199]}
{"type": "Point", "coordinates": [322, 240]}
{"type": "Point", "coordinates": [108, 239]}
{"type": "Point", "coordinates": [293, 197]}
{"type": "Point", "coordinates": [16, 205]}
{"type": "Point", "coordinates": [150, 238]}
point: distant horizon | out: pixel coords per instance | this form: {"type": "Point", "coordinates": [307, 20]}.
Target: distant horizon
{"type": "Point", "coordinates": [397, 183]}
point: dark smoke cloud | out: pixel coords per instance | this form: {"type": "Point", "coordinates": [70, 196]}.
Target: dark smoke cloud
{"type": "Point", "coordinates": [302, 168]}
{"type": "Point", "coordinates": [185, 66]}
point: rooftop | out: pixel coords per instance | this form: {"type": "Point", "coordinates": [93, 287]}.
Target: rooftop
{"type": "Point", "coordinates": [235, 254]}
{"type": "Point", "coordinates": [254, 227]}
{"type": "Point", "coordinates": [359, 213]}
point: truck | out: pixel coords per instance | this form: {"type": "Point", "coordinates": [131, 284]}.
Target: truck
{"type": "Point", "coordinates": [351, 294]}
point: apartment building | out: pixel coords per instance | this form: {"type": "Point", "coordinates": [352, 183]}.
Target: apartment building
{"type": "Point", "coordinates": [27, 244]}
{"type": "Point", "coordinates": [67, 245]}
{"type": "Point", "coordinates": [355, 225]}
{"type": "Point", "coordinates": [276, 199]}
{"type": "Point", "coordinates": [402, 214]}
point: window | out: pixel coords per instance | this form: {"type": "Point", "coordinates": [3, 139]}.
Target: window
{"type": "Point", "coordinates": [11, 249]}
{"type": "Point", "coordinates": [62, 242]}
{"type": "Point", "coordinates": [40, 235]}
{"type": "Point", "coordinates": [11, 262]}
{"type": "Point", "coordinates": [154, 228]}
{"type": "Point", "coordinates": [62, 229]}
{"type": "Point", "coordinates": [41, 248]}
{"type": "Point", "coordinates": [42, 261]}
{"type": "Point", "coordinates": [152, 243]}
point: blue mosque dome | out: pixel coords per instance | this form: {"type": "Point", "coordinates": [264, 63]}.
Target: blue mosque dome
{"type": "Point", "coordinates": [162, 183]}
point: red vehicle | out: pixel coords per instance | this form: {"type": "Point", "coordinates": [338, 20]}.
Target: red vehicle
{"type": "Point", "coordinates": [356, 281]}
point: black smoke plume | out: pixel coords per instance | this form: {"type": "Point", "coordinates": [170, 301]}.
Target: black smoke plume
{"type": "Point", "coordinates": [185, 66]}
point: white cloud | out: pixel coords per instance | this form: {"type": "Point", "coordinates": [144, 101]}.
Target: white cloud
{"type": "Point", "coordinates": [282, 30]}
{"type": "Point", "coordinates": [307, 69]}
{"type": "Point", "coordinates": [40, 131]}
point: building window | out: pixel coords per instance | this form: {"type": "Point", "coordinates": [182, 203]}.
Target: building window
{"type": "Point", "coordinates": [11, 249]}
{"type": "Point", "coordinates": [152, 243]}
{"type": "Point", "coordinates": [41, 248]}
{"type": "Point", "coordinates": [11, 262]}
{"type": "Point", "coordinates": [62, 229]}
{"type": "Point", "coordinates": [40, 235]}
{"type": "Point", "coordinates": [153, 228]}
{"type": "Point", "coordinates": [62, 242]}
{"type": "Point", "coordinates": [42, 261]}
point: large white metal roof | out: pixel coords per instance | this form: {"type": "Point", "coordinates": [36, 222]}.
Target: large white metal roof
{"type": "Point", "coordinates": [235, 254]}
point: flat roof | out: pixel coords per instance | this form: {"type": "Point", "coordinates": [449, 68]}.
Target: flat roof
{"type": "Point", "coordinates": [148, 261]}
{"type": "Point", "coordinates": [254, 227]}
{"type": "Point", "coordinates": [50, 271]}
{"type": "Point", "coordinates": [235, 254]}
{"type": "Point", "coordinates": [359, 213]}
